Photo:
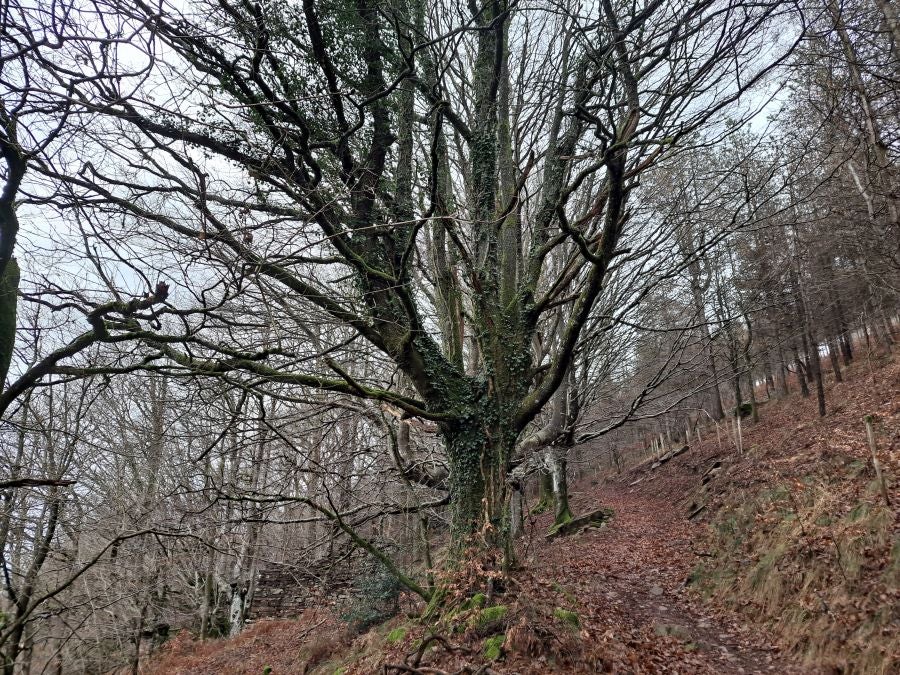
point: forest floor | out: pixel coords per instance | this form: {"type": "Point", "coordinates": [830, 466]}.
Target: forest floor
{"type": "Point", "coordinates": [791, 565]}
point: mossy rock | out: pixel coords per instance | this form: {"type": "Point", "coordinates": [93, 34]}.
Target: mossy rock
{"type": "Point", "coordinates": [397, 634]}
{"type": "Point", "coordinates": [568, 617]}
{"type": "Point", "coordinates": [561, 521]}
{"type": "Point", "coordinates": [493, 647]}
{"type": "Point", "coordinates": [491, 617]}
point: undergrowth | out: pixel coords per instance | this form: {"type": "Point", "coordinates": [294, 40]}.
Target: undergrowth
{"type": "Point", "coordinates": [820, 564]}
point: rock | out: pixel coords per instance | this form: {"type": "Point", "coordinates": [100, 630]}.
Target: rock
{"type": "Point", "coordinates": [673, 630]}
{"type": "Point", "coordinates": [669, 455]}
{"type": "Point", "coordinates": [656, 590]}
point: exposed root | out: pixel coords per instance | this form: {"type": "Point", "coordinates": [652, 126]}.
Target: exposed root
{"type": "Point", "coordinates": [412, 662]}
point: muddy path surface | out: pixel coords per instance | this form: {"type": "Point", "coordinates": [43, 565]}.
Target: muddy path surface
{"type": "Point", "coordinates": [628, 579]}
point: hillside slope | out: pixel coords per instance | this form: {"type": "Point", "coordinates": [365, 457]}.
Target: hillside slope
{"type": "Point", "coordinates": [790, 564]}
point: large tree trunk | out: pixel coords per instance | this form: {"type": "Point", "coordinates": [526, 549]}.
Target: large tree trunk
{"type": "Point", "coordinates": [478, 466]}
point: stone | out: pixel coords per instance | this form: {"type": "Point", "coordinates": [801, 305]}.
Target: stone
{"type": "Point", "coordinates": [673, 630]}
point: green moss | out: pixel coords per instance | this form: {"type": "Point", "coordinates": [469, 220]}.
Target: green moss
{"type": "Point", "coordinates": [436, 602]}
{"type": "Point", "coordinates": [856, 467]}
{"type": "Point", "coordinates": [564, 519]}
{"type": "Point", "coordinates": [491, 616]}
{"type": "Point", "coordinates": [493, 647]}
{"type": "Point", "coordinates": [397, 634]}
{"type": "Point", "coordinates": [477, 601]}
{"type": "Point", "coordinates": [567, 617]}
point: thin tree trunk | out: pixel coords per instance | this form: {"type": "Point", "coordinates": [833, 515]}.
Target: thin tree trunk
{"type": "Point", "coordinates": [138, 638]}
{"type": "Point", "coordinates": [835, 361]}
{"type": "Point", "coordinates": [816, 368]}
{"type": "Point", "coordinates": [801, 369]}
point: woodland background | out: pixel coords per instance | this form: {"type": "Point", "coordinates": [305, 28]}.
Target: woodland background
{"type": "Point", "coordinates": [346, 288]}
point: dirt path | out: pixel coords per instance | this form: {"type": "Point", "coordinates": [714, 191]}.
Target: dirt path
{"type": "Point", "coordinates": [628, 580]}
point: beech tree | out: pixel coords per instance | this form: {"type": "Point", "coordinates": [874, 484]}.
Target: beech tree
{"type": "Point", "coordinates": [304, 278]}
{"type": "Point", "coordinates": [438, 185]}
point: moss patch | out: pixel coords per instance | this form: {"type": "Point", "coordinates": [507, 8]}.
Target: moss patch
{"type": "Point", "coordinates": [477, 601]}
{"type": "Point", "coordinates": [491, 617]}
{"type": "Point", "coordinates": [567, 617]}
{"type": "Point", "coordinates": [493, 647]}
{"type": "Point", "coordinates": [397, 634]}
{"type": "Point", "coordinates": [560, 522]}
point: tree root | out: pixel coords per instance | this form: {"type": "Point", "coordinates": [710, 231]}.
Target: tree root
{"type": "Point", "coordinates": [413, 661]}
{"type": "Point", "coordinates": [592, 519]}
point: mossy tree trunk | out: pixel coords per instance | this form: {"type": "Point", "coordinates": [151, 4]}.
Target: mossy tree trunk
{"type": "Point", "coordinates": [478, 468]}
{"type": "Point", "coordinates": [545, 491]}
{"type": "Point", "coordinates": [557, 460]}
